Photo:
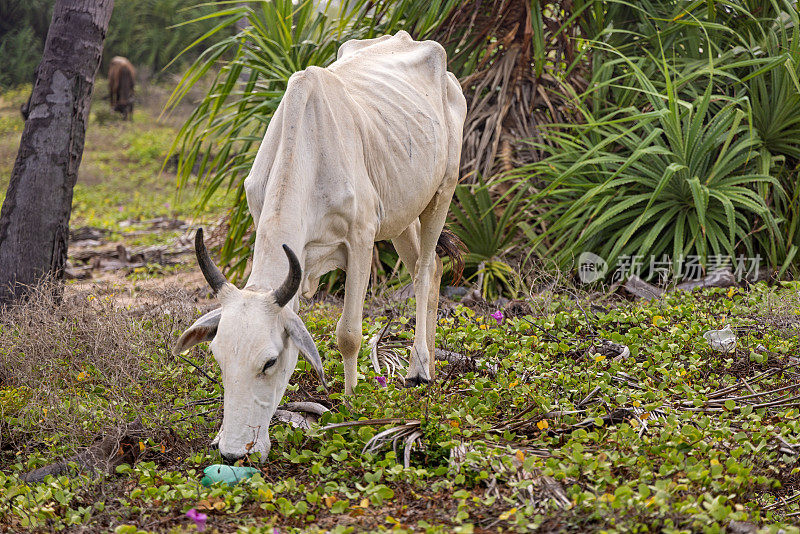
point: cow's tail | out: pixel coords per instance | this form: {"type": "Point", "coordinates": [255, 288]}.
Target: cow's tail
{"type": "Point", "coordinates": [451, 246]}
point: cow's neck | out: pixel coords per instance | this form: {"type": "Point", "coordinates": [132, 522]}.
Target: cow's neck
{"type": "Point", "coordinates": [276, 228]}
{"type": "Point", "coordinates": [293, 212]}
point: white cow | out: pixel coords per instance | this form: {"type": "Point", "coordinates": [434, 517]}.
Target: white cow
{"type": "Point", "coordinates": [364, 150]}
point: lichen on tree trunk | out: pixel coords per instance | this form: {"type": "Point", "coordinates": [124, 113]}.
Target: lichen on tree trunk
{"type": "Point", "coordinates": [34, 221]}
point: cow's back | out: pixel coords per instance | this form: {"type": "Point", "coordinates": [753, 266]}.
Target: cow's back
{"type": "Point", "coordinates": [414, 112]}
{"type": "Point", "coordinates": [121, 76]}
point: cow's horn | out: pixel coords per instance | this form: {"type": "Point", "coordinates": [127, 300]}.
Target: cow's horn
{"type": "Point", "coordinates": [292, 283]}
{"type": "Point", "coordinates": [212, 273]}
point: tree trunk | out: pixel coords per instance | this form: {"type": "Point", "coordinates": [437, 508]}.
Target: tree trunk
{"type": "Point", "coordinates": [34, 221]}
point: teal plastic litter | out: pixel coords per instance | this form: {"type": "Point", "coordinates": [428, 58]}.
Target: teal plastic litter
{"type": "Point", "coordinates": [228, 474]}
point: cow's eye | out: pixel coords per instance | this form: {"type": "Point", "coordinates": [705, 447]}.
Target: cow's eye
{"type": "Point", "coordinates": [269, 363]}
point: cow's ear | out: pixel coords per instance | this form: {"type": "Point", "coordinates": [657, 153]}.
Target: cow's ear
{"type": "Point", "coordinates": [299, 334]}
{"type": "Point", "coordinates": [203, 329]}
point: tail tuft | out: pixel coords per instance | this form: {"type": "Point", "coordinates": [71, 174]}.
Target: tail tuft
{"type": "Point", "coordinates": [451, 246]}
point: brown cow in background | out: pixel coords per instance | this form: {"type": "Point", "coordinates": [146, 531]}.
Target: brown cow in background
{"type": "Point", "coordinates": [120, 85]}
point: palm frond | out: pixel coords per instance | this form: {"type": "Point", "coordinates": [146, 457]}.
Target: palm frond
{"type": "Point", "coordinates": [386, 352]}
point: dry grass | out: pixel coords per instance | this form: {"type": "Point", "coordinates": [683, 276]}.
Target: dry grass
{"type": "Point", "coordinates": [83, 364]}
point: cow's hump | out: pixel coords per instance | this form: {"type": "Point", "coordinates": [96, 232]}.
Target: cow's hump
{"type": "Point", "coordinates": [359, 56]}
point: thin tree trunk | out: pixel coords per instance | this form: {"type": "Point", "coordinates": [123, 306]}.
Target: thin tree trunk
{"type": "Point", "coordinates": [34, 221]}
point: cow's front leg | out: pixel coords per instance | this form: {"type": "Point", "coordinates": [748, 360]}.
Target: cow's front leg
{"type": "Point", "coordinates": [348, 329]}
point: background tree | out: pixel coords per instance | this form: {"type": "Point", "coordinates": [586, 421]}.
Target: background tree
{"type": "Point", "coordinates": [150, 33]}
{"type": "Point", "coordinates": [23, 29]}
{"type": "Point", "coordinates": [34, 221]}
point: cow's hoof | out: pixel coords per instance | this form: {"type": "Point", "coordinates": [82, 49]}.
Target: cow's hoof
{"type": "Point", "coordinates": [414, 381]}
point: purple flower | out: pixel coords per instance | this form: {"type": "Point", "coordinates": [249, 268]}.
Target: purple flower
{"type": "Point", "coordinates": [198, 518]}
{"type": "Point", "coordinates": [498, 316]}
{"type": "Point", "coordinates": [381, 381]}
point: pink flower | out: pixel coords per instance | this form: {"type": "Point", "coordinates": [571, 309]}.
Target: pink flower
{"type": "Point", "coordinates": [498, 316]}
{"type": "Point", "coordinates": [198, 518]}
{"type": "Point", "coordinates": [381, 381]}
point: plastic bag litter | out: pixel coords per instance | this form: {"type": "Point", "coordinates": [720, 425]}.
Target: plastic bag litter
{"type": "Point", "coordinates": [721, 340]}
{"type": "Point", "coordinates": [228, 474]}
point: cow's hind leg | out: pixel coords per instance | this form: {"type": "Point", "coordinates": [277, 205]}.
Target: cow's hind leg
{"type": "Point", "coordinates": [348, 329]}
{"type": "Point", "coordinates": [426, 285]}
{"type": "Point", "coordinates": [433, 315]}
{"type": "Point", "coordinates": [407, 246]}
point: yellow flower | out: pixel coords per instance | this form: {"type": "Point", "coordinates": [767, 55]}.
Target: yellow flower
{"type": "Point", "coordinates": [543, 424]}
{"type": "Point", "coordinates": [508, 513]}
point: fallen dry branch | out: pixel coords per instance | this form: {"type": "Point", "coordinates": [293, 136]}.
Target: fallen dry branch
{"type": "Point", "coordinates": [644, 290]}
{"type": "Point", "coordinates": [773, 398]}
{"type": "Point", "coordinates": [718, 278]}
{"type": "Point", "coordinates": [641, 289]}
{"type": "Point", "coordinates": [782, 502]}
{"type": "Point", "coordinates": [121, 447]}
